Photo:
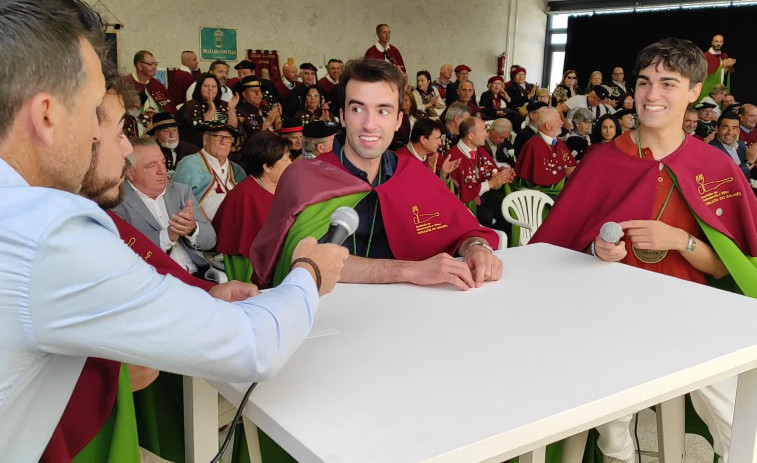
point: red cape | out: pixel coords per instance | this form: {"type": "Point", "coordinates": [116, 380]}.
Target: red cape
{"type": "Point", "coordinates": [538, 164]}
{"type": "Point", "coordinates": [404, 151]}
{"type": "Point", "coordinates": [713, 61]}
{"type": "Point", "coordinates": [467, 185]}
{"type": "Point", "coordinates": [421, 216]}
{"type": "Point", "coordinates": [610, 185]}
{"type": "Point", "coordinates": [240, 217]}
{"type": "Point", "coordinates": [394, 55]}
{"type": "Point", "coordinates": [157, 91]}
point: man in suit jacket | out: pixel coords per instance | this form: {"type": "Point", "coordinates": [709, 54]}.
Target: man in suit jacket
{"type": "Point", "coordinates": [164, 211]}
{"type": "Point", "coordinates": [727, 141]}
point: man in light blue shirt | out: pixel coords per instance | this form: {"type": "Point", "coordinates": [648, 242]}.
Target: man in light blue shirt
{"type": "Point", "coordinates": [70, 288]}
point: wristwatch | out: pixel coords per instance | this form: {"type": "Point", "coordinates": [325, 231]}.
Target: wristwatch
{"type": "Point", "coordinates": [691, 245]}
{"type": "Point", "coordinates": [481, 243]}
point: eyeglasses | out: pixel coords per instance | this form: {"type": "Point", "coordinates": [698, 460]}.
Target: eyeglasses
{"type": "Point", "coordinates": [570, 77]}
{"type": "Point", "coordinates": [154, 63]}
{"type": "Point", "coordinates": [223, 138]}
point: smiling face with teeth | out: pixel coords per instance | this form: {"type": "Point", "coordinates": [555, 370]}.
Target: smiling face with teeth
{"type": "Point", "coordinates": [662, 96]}
{"type": "Point", "coordinates": [371, 116]}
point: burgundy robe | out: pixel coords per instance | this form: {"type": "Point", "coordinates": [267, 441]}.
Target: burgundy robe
{"type": "Point", "coordinates": [240, 217]}
{"type": "Point", "coordinates": [539, 163]}
{"type": "Point", "coordinates": [395, 57]}
{"type": "Point", "coordinates": [471, 173]}
{"type": "Point", "coordinates": [157, 91]}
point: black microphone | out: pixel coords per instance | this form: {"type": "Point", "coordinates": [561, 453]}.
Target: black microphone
{"type": "Point", "coordinates": [344, 222]}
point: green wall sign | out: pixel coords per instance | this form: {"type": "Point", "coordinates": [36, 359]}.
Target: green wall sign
{"type": "Point", "coordinates": [218, 43]}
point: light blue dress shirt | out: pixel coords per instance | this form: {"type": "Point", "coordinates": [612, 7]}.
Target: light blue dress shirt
{"type": "Point", "coordinates": [71, 289]}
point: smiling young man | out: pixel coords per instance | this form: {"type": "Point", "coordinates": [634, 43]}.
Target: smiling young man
{"type": "Point", "coordinates": [410, 223]}
{"type": "Point", "coordinates": [686, 210]}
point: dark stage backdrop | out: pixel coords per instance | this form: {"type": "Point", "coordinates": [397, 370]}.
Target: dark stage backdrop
{"type": "Point", "coordinates": [601, 42]}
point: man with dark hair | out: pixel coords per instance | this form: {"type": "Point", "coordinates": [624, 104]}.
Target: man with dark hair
{"type": "Point", "coordinates": [686, 210]}
{"type": "Point", "coordinates": [334, 70]}
{"type": "Point", "coordinates": [153, 94]}
{"type": "Point", "coordinates": [72, 289]}
{"type": "Point", "coordinates": [748, 122]}
{"type": "Point", "coordinates": [179, 80]}
{"type": "Point", "coordinates": [425, 141]}
{"type": "Point", "coordinates": [383, 51]}
{"type": "Point", "coordinates": [220, 69]}
{"type": "Point", "coordinates": [690, 119]}
{"type": "Point", "coordinates": [727, 141]}
{"type": "Point", "coordinates": [618, 86]}
{"type": "Point", "coordinates": [388, 246]}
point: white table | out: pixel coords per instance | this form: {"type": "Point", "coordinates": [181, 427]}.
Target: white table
{"type": "Point", "coordinates": [562, 343]}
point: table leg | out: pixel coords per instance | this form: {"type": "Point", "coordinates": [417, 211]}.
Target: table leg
{"type": "Point", "coordinates": [573, 448]}
{"type": "Point", "coordinates": [200, 420]}
{"type": "Point", "coordinates": [253, 444]}
{"type": "Point", "coordinates": [538, 455]}
{"type": "Point", "coordinates": [671, 430]}
{"type": "Point", "coordinates": [744, 433]}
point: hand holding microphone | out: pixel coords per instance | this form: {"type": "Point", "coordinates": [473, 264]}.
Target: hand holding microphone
{"type": "Point", "coordinates": [325, 261]}
{"type": "Point", "coordinates": [608, 246]}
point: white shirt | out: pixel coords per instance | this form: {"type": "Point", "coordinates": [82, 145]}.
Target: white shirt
{"type": "Point", "coordinates": [212, 201]}
{"type": "Point", "coordinates": [157, 208]}
{"type": "Point", "coordinates": [467, 152]}
{"type": "Point", "coordinates": [417, 156]}
{"type": "Point", "coordinates": [226, 92]}
{"type": "Point", "coordinates": [72, 289]}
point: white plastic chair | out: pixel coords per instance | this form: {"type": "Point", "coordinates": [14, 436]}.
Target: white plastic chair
{"type": "Point", "coordinates": [528, 208]}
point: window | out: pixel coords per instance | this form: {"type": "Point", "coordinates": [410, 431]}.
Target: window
{"type": "Point", "coordinates": [554, 55]}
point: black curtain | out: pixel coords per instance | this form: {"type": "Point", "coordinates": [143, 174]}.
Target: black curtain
{"type": "Point", "coordinates": [601, 42]}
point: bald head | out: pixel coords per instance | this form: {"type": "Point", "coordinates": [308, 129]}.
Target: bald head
{"type": "Point", "coordinates": [289, 71]}
{"type": "Point", "coordinates": [748, 116]}
{"type": "Point", "coordinates": [717, 42]}
{"type": "Point", "coordinates": [445, 72]}
{"type": "Point", "coordinates": [548, 122]}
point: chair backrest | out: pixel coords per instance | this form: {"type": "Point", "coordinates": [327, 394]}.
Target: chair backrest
{"type": "Point", "coordinates": [525, 208]}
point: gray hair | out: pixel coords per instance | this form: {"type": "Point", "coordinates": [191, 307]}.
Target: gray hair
{"type": "Point", "coordinates": [139, 141]}
{"type": "Point", "coordinates": [501, 124]}
{"type": "Point", "coordinates": [41, 51]}
{"type": "Point", "coordinates": [582, 115]}
{"type": "Point", "coordinates": [310, 145]}
{"type": "Point", "coordinates": [717, 89]}
{"type": "Point", "coordinates": [456, 109]}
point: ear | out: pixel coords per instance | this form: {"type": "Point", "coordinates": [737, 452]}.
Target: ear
{"type": "Point", "coordinates": [694, 92]}
{"type": "Point", "coordinates": [130, 173]}
{"type": "Point", "coordinates": [45, 112]}
{"type": "Point", "coordinates": [341, 117]}
{"type": "Point", "coordinates": [399, 120]}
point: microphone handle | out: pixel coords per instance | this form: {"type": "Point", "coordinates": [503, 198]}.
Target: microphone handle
{"type": "Point", "coordinates": [336, 234]}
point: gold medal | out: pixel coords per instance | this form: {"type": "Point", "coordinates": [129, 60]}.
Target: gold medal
{"type": "Point", "coordinates": [648, 256]}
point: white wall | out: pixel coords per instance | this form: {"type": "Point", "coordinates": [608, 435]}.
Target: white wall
{"type": "Point", "coordinates": [428, 34]}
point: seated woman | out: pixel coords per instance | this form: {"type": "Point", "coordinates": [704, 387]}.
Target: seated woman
{"type": "Point", "coordinates": [427, 97]}
{"type": "Point", "coordinates": [595, 80]}
{"type": "Point", "coordinates": [316, 109]}
{"type": "Point", "coordinates": [568, 87]}
{"type": "Point", "coordinates": [625, 101]}
{"type": "Point", "coordinates": [605, 130]}
{"type": "Point", "coordinates": [578, 140]}
{"type": "Point", "coordinates": [243, 212]}
{"type": "Point", "coordinates": [495, 100]}
{"type": "Point", "coordinates": [205, 106]}
{"type": "Point", "coordinates": [410, 114]}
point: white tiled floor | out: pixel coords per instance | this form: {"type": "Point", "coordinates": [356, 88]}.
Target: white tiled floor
{"type": "Point", "coordinates": [698, 450]}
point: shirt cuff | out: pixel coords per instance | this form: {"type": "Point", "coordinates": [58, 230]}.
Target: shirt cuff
{"type": "Point", "coordinates": [484, 188]}
{"type": "Point", "coordinates": [192, 239]}
{"type": "Point", "coordinates": [165, 242]}
{"type": "Point", "coordinates": [302, 278]}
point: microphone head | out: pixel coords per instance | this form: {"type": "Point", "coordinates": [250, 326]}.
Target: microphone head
{"type": "Point", "coordinates": [346, 217]}
{"type": "Point", "coordinates": [611, 232]}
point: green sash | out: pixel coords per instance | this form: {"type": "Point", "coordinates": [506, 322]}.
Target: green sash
{"type": "Point", "coordinates": [117, 441]}
{"type": "Point", "coordinates": [237, 268]}
{"type": "Point", "coordinates": [712, 80]}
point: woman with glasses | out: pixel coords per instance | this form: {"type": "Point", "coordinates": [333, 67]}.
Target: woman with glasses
{"type": "Point", "coordinates": [567, 88]}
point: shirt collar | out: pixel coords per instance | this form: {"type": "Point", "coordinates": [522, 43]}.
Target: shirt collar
{"type": "Point", "coordinates": [134, 75]}
{"type": "Point", "coordinates": [389, 161]}
{"type": "Point", "coordinates": [547, 139]}
{"type": "Point", "coordinates": [712, 50]}
{"type": "Point", "coordinates": [729, 147]}
{"type": "Point", "coordinates": [381, 49]}
{"type": "Point", "coordinates": [212, 160]}
{"type": "Point", "coordinates": [464, 148]}
{"type": "Point", "coordinates": [744, 129]}
{"type": "Point", "coordinates": [490, 144]}
{"type": "Point", "coordinates": [185, 69]}
{"type": "Point", "coordinates": [411, 148]}
{"type": "Point", "coordinates": [328, 77]}
{"type": "Point", "coordinates": [9, 176]}
{"type": "Point", "coordinates": [143, 196]}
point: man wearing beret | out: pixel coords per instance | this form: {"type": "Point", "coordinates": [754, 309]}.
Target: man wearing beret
{"type": "Point", "coordinates": [318, 138]}
{"type": "Point", "coordinates": [524, 134]}
{"type": "Point", "coordinates": [210, 173]}
{"type": "Point", "coordinates": [520, 91]}
{"type": "Point", "coordinates": [251, 114]}
{"type": "Point", "coordinates": [244, 69]}
{"type": "Point", "coordinates": [383, 51]}
{"type": "Point", "coordinates": [165, 129]}
{"type": "Point", "coordinates": [461, 75]}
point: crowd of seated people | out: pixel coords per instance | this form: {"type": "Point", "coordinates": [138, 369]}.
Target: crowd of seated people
{"type": "Point", "coordinates": [516, 135]}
